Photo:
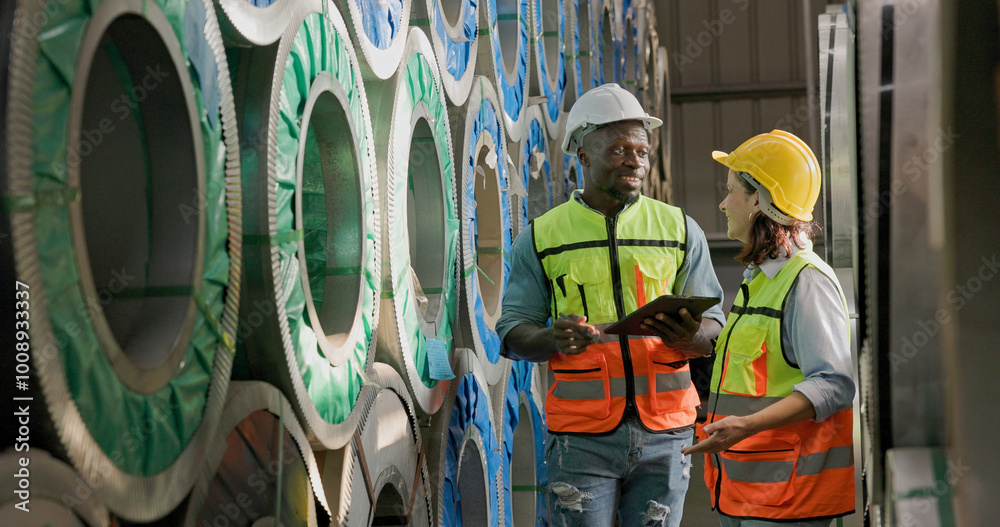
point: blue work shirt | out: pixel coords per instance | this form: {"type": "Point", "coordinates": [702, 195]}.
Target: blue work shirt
{"type": "Point", "coordinates": [815, 337]}
{"type": "Point", "coordinates": [527, 296]}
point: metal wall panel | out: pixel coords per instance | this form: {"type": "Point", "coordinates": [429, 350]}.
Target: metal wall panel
{"type": "Point", "coordinates": [689, 49]}
{"type": "Point", "coordinates": [696, 163]}
{"type": "Point", "coordinates": [778, 31]}
{"type": "Point", "coordinates": [735, 59]}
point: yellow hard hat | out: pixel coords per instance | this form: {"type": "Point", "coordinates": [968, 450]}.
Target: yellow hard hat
{"type": "Point", "coordinates": [784, 165]}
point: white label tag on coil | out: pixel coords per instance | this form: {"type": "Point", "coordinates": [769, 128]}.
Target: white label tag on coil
{"type": "Point", "coordinates": [437, 358]}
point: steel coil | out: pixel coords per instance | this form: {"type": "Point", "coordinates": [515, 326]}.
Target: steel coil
{"type": "Point", "coordinates": [310, 313]}
{"type": "Point", "coordinates": [606, 40]}
{"type": "Point", "coordinates": [550, 79]}
{"type": "Point", "coordinates": [379, 31]}
{"type": "Point", "coordinates": [486, 224]}
{"type": "Point", "coordinates": [453, 27]}
{"type": "Point", "coordinates": [380, 477]}
{"type": "Point", "coordinates": [42, 491]}
{"type": "Point", "coordinates": [464, 452]}
{"type": "Point", "coordinates": [420, 233]}
{"type": "Point", "coordinates": [132, 306]}
{"type": "Point", "coordinates": [503, 58]}
{"type": "Point", "coordinates": [254, 22]}
{"type": "Point", "coordinates": [532, 184]}
{"type": "Point", "coordinates": [522, 424]}
{"type": "Point", "coordinates": [260, 467]}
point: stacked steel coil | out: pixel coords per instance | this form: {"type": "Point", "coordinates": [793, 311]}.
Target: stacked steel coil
{"type": "Point", "coordinates": [265, 244]}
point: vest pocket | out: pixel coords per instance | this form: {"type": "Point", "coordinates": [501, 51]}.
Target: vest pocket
{"type": "Point", "coordinates": [656, 271]}
{"type": "Point", "coordinates": [669, 379]}
{"type": "Point", "coordinates": [582, 387]}
{"type": "Point", "coordinates": [745, 370]}
{"type": "Point", "coordinates": [588, 282]}
{"type": "Point", "coordinates": [759, 469]}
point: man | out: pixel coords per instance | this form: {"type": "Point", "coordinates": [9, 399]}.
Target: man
{"type": "Point", "coordinates": [620, 408]}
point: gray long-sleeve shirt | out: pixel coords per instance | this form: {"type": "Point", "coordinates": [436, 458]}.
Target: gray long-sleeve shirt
{"type": "Point", "coordinates": [526, 298]}
{"type": "Point", "coordinates": [812, 339]}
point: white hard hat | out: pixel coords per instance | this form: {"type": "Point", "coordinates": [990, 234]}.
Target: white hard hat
{"type": "Point", "coordinates": [604, 104]}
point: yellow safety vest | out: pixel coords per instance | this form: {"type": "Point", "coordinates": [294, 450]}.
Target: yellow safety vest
{"type": "Point", "coordinates": [605, 268]}
{"type": "Point", "coordinates": [801, 471]}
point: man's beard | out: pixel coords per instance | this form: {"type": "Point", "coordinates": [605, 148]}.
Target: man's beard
{"type": "Point", "coordinates": [619, 196]}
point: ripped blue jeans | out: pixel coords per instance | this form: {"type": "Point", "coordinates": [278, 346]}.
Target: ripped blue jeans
{"type": "Point", "coordinates": [637, 474]}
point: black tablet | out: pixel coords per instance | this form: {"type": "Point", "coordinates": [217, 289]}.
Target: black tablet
{"type": "Point", "coordinates": [669, 304]}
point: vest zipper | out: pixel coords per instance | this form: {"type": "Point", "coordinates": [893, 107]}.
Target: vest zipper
{"type": "Point", "coordinates": [718, 389]}
{"type": "Point", "coordinates": [616, 288]}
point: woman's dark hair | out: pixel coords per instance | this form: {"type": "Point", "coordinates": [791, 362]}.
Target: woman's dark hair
{"type": "Point", "coordinates": [770, 239]}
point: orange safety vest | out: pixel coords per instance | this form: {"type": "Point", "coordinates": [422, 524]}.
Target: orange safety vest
{"type": "Point", "coordinates": [604, 268]}
{"type": "Point", "coordinates": [797, 472]}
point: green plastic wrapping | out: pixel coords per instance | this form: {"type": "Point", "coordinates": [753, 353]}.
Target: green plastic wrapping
{"type": "Point", "coordinates": [318, 48]}
{"type": "Point", "coordinates": [420, 85]}
{"type": "Point", "coordinates": [141, 434]}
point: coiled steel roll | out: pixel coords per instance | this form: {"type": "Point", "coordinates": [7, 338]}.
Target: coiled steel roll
{"type": "Point", "coordinates": [486, 223]}
{"type": "Point", "coordinates": [420, 234]}
{"type": "Point", "coordinates": [131, 308]}
{"type": "Point", "coordinates": [260, 467]}
{"type": "Point", "coordinates": [380, 477]}
{"type": "Point", "coordinates": [310, 314]}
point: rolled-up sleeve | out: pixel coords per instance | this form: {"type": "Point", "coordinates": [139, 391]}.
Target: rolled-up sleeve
{"type": "Point", "coordinates": [696, 275]}
{"type": "Point", "coordinates": [526, 297]}
{"type": "Point", "coordinates": [816, 337]}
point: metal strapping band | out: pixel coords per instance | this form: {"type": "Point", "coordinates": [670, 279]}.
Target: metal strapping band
{"type": "Point", "coordinates": [276, 239]}
{"type": "Point", "coordinates": [44, 198]}
{"type": "Point", "coordinates": [413, 488]}
{"type": "Point", "coordinates": [529, 488]}
{"type": "Point", "coordinates": [364, 467]}
{"type": "Point", "coordinates": [342, 271]}
{"type": "Point", "coordinates": [214, 326]}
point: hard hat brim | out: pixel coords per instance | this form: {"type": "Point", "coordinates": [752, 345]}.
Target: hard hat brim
{"type": "Point", "coordinates": [569, 142]}
{"type": "Point", "coordinates": [720, 156]}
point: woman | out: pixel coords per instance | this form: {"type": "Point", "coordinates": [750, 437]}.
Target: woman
{"type": "Point", "coordinates": [778, 437]}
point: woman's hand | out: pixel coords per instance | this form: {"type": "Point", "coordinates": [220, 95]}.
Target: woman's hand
{"type": "Point", "coordinates": [723, 434]}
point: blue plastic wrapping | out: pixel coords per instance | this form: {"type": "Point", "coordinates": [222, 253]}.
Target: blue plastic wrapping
{"type": "Point", "coordinates": [535, 142]}
{"type": "Point", "coordinates": [487, 122]}
{"type": "Point", "coordinates": [520, 382]}
{"type": "Point", "coordinates": [380, 19]}
{"type": "Point", "coordinates": [512, 89]}
{"type": "Point", "coordinates": [471, 409]}
{"type": "Point", "coordinates": [554, 94]}
{"type": "Point", "coordinates": [457, 53]}
{"type": "Point", "coordinates": [598, 42]}
{"type": "Point", "coordinates": [568, 184]}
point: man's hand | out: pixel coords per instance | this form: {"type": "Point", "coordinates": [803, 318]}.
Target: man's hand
{"type": "Point", "coordinates": [685, 336]}
{"type": "Point", "coordinates": [723, 434]}
{"type": "Point", "coordinates": [572, 334]}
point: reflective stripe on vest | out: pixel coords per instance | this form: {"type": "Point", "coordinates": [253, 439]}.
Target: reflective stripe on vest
{"type": "Point", "coordinates": [589, 392]}
{"type": "Point", "coordinates": [577, 390]}
{"type": "Point", "coordinates": [775, 471]}
{"type": "Point", "coordinates": [800, 471]}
